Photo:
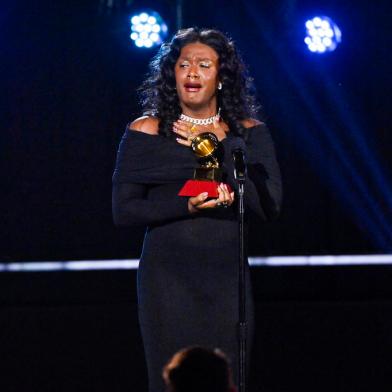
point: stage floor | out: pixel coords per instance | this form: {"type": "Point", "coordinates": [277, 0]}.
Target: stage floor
{"type": "Point", "coordinates": [318, 328]}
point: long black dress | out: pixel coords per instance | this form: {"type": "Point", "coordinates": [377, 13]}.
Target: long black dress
{"type": "Point", "coordinates": [188, 273]}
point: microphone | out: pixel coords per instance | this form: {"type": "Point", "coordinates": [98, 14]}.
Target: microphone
{"type": "Point", "coordinates": [239, 164]}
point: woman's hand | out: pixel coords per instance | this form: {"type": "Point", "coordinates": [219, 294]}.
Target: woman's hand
{"type": "Point", "coordinates": [189, 131]}
{"type": "Point", "coordinates": [198, 203]}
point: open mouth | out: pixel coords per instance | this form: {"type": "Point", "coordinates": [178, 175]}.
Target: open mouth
{"type": "Point", "coordinates": [192, 87]}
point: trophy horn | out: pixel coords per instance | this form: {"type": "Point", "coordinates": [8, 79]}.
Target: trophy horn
{"type": "Point", "coordinates": [205, 144]}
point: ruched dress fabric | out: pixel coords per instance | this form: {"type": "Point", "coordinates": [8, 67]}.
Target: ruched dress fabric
{"type": "Point", "coordinates": [188, 272]}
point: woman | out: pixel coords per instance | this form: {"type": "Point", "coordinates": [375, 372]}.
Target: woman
{"type": "Point", "coordinates": [187, 278]}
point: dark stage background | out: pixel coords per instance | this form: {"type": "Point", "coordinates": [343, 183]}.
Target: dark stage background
{"type": "Point", "coordinates": [69, 74]}
{"type": "Point", "coordinates": [68, 78]}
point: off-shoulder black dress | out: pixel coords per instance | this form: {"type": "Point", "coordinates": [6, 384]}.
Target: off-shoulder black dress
{"type": "Point", "coordinates": [188, 272]}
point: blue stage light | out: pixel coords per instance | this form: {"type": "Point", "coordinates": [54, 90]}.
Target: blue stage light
{"type": "Point", "coordinates": [147, 29]}
{"type": "Point", "coordinates": [322, 34]}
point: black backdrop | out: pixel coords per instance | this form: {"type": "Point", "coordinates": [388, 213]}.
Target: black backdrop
{"type": "Point", "coordinates": [69, 74]}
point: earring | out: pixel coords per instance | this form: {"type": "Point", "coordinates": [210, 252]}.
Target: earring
{"type": "Point", "coordinates": [220, 86]}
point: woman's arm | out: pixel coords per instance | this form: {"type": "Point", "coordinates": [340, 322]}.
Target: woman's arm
{"type": "Point", "coordinates": [130, 202]}
{"type": "Point", "coordinates": [130, 206]}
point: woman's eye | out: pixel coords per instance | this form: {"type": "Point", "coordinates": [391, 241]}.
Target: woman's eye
{"type": "Point", "coordinates": [205, 65]}
{"type": "Point", "coordinates": [183, 65]}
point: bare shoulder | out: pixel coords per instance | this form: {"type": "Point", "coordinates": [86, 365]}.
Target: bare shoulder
{"type": "Point", "coordinates": [145, 124]}
{"type": "Point", "coordinates": [250, 122]}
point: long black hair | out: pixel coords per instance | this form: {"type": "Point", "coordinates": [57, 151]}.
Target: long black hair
{"type": "Point", "coordinates": [159, 95]}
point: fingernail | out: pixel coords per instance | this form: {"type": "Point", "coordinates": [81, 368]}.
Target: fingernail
{"type": "Point", "coordinates": [178, 139]}
{"type": "Point", "coordinates": [204, 195]}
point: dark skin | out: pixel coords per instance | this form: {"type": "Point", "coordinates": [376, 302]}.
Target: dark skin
{"type": "Point", "coordinates": [196, 72]}
{"type": "Point", "coordinates": [197, 81]}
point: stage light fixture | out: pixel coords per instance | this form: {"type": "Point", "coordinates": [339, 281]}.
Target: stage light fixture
{"type": "Point", "coordinates": [147, 29]}
{"type": "Point", "coordinates": [322, 34]}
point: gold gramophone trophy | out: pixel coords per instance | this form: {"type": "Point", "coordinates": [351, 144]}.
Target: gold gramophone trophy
{"type": "Point", "coordinates": [208, 176]}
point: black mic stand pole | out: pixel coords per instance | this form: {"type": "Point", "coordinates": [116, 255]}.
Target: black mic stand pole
{"type": "Point", "coordinates": [240, 175]}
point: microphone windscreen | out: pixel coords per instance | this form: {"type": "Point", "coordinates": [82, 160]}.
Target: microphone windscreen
{"type": "Point", "coordinates": [239, 163]}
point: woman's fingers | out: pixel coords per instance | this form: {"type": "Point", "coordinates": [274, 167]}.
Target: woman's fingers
{"type": "Point", "coordinates": [181, 131]}
{"type": "Point", "coordinates": [225, 193]}
{"type": "Point", "coordinates": [224, 199]}
{"type": "Point", "coordinates": [196, 201]}
{"type": "Point", "coordinates": [186, 131]}
{"type": "Point", "coordinates": [181, 126]}
{"type": "Point", "coordinates": [184, 142]}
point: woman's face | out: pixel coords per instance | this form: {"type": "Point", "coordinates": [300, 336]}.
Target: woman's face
{"type": "Point", "coordinates": [196, 72]}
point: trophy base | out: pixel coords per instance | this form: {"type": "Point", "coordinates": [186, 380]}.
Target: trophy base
{"type": "Point", "coordinates": [195, 187]}
{"type": "Point", "coordinates": [208, 174]}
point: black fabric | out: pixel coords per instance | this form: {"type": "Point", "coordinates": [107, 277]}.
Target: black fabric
{"type": "Point", "coordinates": [188, 272]}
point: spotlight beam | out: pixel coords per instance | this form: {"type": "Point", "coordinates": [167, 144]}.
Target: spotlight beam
{"type": "Point", "coordinates": [359, 198]}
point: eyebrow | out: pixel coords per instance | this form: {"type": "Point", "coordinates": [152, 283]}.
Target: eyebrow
{"type": "Point", "coordinates": [197, 58]}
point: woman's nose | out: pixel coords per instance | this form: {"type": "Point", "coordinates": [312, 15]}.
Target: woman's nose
{"type": "Point", "coordinates": [192, 73]}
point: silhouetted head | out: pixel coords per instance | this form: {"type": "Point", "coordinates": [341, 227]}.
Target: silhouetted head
{"type": "Point", "coordinates": [197, 369]}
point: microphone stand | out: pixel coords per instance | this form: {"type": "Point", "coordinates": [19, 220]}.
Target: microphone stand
{"type": "Point", "coordinates": [240, 176]}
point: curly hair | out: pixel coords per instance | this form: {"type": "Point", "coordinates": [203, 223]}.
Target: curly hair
{"type": "Point", "coordinates": [159, 95]}
{"type": "Point", "coordinates": [196, 368]}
